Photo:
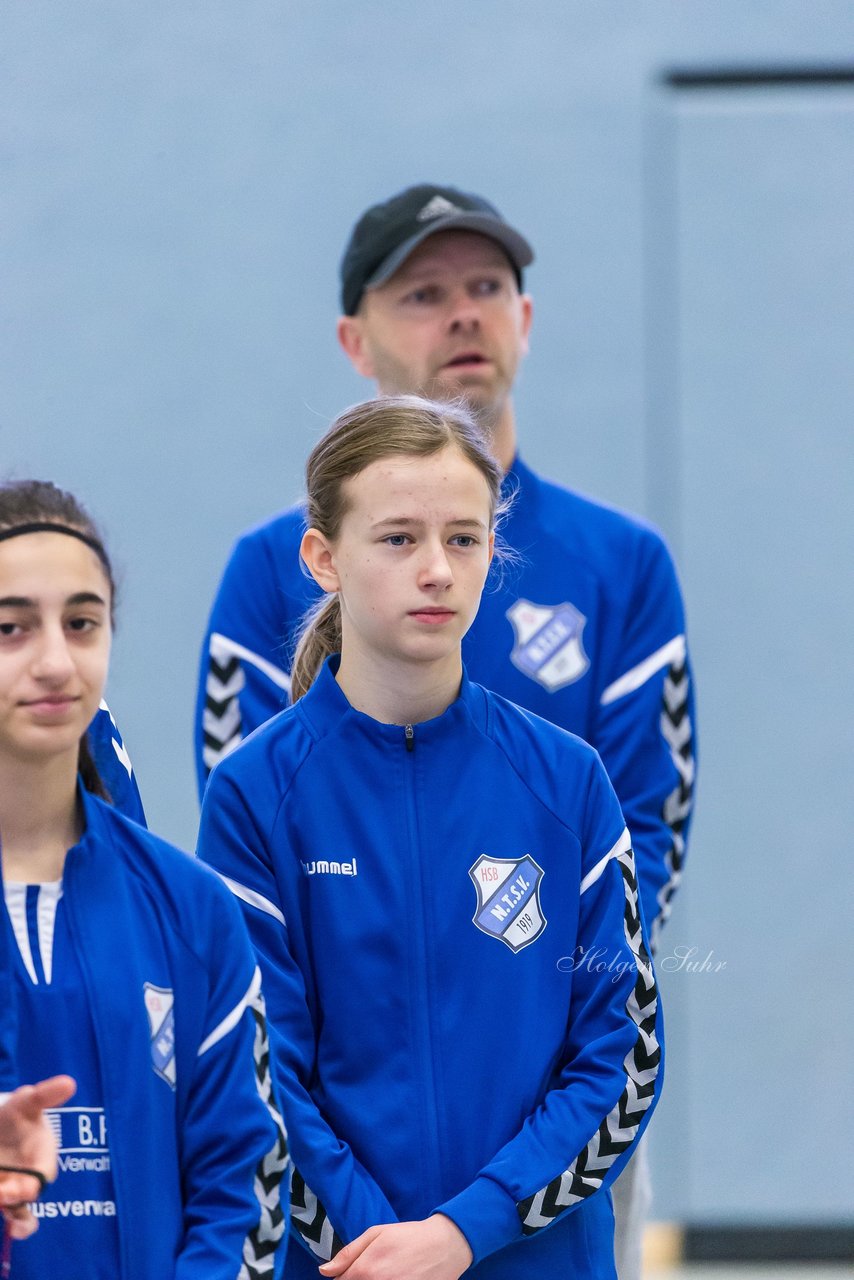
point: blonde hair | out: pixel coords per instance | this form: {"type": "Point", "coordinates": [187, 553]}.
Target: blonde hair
{"type": "Point", "coordinates": [362, 434]}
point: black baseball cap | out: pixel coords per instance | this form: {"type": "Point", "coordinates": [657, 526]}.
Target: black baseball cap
{"type": "Point", "coordinates": [387, 233]}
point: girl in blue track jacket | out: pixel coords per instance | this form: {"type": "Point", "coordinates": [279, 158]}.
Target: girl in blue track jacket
{"type": "Point", "coordinates": [441, 891]}
{"type": "Point", "coordinates": [125, 964]}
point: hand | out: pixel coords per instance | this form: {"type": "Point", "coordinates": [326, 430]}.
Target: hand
{"type": "Point", "coordinates": [433, 1249]}
{"type": "Point", "coordinates": [26, 1142]}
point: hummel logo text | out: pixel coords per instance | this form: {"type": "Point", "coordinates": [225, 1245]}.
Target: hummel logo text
{"type": "Point", "coordinates": [321, 867]}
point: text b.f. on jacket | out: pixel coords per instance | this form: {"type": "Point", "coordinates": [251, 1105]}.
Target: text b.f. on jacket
{"type": "Point", "coordinates": [195, 1141]}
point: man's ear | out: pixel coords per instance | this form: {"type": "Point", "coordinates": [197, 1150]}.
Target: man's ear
{"type": "Point", "coordinates": [352, 338]}
{"type": "Point", "coordinates": [527, 317]}
{"type": "Point", "coordinates": [317, 555]}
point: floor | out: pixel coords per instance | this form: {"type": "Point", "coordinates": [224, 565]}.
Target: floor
{"type": "Point", "coordinates": [740, 1271]}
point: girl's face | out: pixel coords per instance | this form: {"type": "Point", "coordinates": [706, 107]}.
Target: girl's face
{"type": "Point", "coordinates": [411, 557]}
{"type": "Point", "coordinates": [54, 643]}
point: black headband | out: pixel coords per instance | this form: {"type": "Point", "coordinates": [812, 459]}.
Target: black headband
{"type": "Point", "coordinates": [48, 526]}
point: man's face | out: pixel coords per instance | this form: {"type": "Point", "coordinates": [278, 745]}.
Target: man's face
{"type": "Point", "coordinates": [450, 322]}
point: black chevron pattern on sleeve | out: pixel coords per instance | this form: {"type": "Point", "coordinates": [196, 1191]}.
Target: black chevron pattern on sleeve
{"type": "Point", "coordinates": [678, 733]}
{"type": "Point", "coordinates": [260, 1245]}
{"type": "Point", "coordinates": [222, 725]}
{"type": "Point", "coordinates": [312, 1221]}
{"type": "Point", "coordinates": [620, 1127]}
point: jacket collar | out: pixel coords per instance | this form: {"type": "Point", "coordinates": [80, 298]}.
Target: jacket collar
{"type": "Point", "coordinates": [325, 709]}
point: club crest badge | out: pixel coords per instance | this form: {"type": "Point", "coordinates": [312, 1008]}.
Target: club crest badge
{"type": "Point", "coordinates": [508, 899]}
{"type": "Point", "coordinates": [159, 1005]}
{"type": "Point", "coordinates": [548, 645]}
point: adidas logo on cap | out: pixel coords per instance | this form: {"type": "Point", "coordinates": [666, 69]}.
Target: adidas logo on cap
{"type": "Point", "coordinates": [438, 207]}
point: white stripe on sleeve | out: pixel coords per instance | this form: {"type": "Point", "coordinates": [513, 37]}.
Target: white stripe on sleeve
{"type": "Point", "coordinates": [221, 645]}
{"type": "Point", "coordinates": [252, 898]}
{"type": "Point", "coordinates": [672, 652]}
{"type": "Point", "coordinates": [231, 1020]}
{"type": "Point", "coordinates": [622, 846]}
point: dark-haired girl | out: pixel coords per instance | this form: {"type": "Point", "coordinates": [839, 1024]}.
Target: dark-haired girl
{"type": "Point", "coordinates": [130, 968]}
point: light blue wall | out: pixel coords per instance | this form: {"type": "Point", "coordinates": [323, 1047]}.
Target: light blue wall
{"type": "Point", "coordinates": [177, 183]}
{"type": "Point", "coordinates": [757, 382]}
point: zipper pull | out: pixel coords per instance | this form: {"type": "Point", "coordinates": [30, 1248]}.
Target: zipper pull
{"type": "Point", "coordinates": [409, 733]}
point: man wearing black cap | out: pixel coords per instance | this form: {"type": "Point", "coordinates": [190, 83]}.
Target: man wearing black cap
{"type": "Point", "coordinates": [431, 295]}
{"type": "Point", "coordinates": [586, 629]}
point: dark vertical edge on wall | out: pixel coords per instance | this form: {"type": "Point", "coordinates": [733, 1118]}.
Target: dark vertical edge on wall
{"type": "Point", "coordinates": [671, 1145]}
{"type": "Point", "coordinates": [662, 427]}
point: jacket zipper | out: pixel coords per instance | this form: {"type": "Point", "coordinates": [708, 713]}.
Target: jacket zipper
{"type": "Point", "coordinates": [434, 1161]}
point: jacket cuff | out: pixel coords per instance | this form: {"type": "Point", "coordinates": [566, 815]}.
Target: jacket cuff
{"type": "Point", "coordinates": [486, 1215]}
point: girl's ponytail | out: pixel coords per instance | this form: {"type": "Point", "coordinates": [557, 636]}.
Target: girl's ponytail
{"type": "Point", "coordinates": [320, 635]}
{"type": "Point", "coordinates": [88, 770]}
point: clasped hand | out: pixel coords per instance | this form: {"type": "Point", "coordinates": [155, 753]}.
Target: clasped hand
{"type": "Point", "coordinates": [433, 1249]}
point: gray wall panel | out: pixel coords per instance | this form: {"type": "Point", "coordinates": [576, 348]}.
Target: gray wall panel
{"type": "Point", "coordinates": [762, 384]}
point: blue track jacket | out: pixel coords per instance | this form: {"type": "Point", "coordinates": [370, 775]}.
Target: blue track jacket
{"type": "Point", "coordinates": [197, 1145]}
{"type": "Point", "coordinates": [113, 763]}
{"type": "Point", "coordinates": [586, 629]}
{"type": "Point", "coordinates": [463, 1015]}
{"type": "Point", "coordinates": [114, 766]}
